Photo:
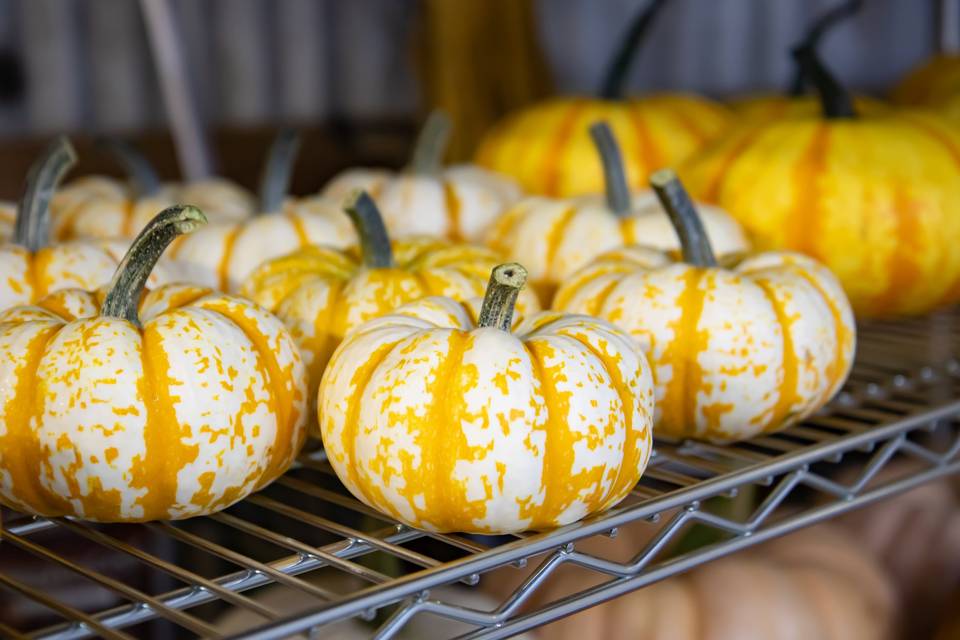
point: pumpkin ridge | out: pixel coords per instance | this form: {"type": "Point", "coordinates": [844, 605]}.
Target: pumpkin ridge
{"type": "Point", "coordinates": [127, 225]}
{"type": "Point", "coordinates": [680, 392]}
{"type": "Point", "coordinates": [681, 112]}
{"type": "Point", "coordinates": [21, 439]}
{"type": "Point", "coordinates": [280, 399]}
{"type": "Point", "coordinates": [840, 330]}
{"type": "Point", "coordinates": [942, 137]}
{"type": "Point", "coordinates": [552, 167]}
{"type": "Point", "coordinates": [904, 272]}
{"type": "Point", "coordinates": [452, 209]}
{"type": "Point", "coordinates": [555, 237]}
{"type": "Point", "coordinates": [803, 222]}
{"type": "Point", "coordinates": [297, 223]}
{"type": "Point", "coordinates": [714, 184]}
{"type": "Point", "coordinates": [787, 392]}
{"type": "Point", "coordinates": [648, 149]}
{"type": "Point", "coordinates": [223, 268]}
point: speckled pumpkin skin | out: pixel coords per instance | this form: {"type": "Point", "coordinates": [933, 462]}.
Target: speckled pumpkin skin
{"type": "Point", "coordinates": [321, 294]}
{"type": "Point", "coordinates": [876, 199]}
{"type": "Point", "coordinates": [105, 421]}
{"type": "Point", "coordinates": [104, 208]}
{"type": "Point", "coordinates": [735, 353]}
{"type": "Point", "coordinates": [447, 427]}
{"type": "Point", "coordinates": [552, 238]}
{"type": "Point", "coordinates": [548, 150]}
{"type": "Point", "coordinates": [222, 256]}
{"type": "Point", "coordinates": [934, 85]}
{"type": "Point", "coordinates": [459, 204]}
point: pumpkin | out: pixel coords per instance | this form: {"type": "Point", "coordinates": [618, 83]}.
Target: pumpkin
{"type": "Point", "coordinates": [452, 423]}
{"type": "Point", "coordinates": [735, 352]}
{"type": "Point", "coordinates": [545, 146]}
{"type": "Point", "coordinates": [118, 416]}
{"type": "Point", "coordinates": [933, 85]}
{"type": "Point", "coordinates": [875, 197]}
{"type": "Point", "coordinates": [322, 293]}
{"type": "Point", "coordinates": [101, 207]}
{"type": "Point", "coordinates": [29, 268]}
{"type": "Point", "coordinates": [458, 202]}
{"type": "Point", "coordinates": [553, 238]}
{"type": "Point", "coordinates": [222, 256]}
{"type": "Point", "coordinates": [815, 583]}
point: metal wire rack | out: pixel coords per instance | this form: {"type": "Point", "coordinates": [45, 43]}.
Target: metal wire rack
{"type": "Point", "coordinates": [303, 554]}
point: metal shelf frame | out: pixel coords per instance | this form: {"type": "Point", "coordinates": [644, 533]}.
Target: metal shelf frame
{"type": "Point", "coordinates": [895, 426]}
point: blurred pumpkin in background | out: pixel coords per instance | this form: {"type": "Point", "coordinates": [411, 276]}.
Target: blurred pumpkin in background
{"type": "Point", "coordinates": [546, 148]}
{"type": "Point", "coordinates": [875, 197]}
{"type": "Point", "coordinates": [933, 85]}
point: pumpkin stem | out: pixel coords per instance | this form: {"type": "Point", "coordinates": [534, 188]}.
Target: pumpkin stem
{"type": "Point", "coordinates": [820, 27]}
{"type": "Point", "coordinates": [124, 290]}
{"type": "Point", "coordinates": [138, 167]}
{"type": "Point", "coordinates": [694, 242]}
{"type": "Point", "coordinates": [506, 281]}
{"type": "Point", "coordinates": [278, 170]}
{"type": "Point", "coordinates": [366, 219]}
{"type": "Point", "coordinates": [835, 100]}
{"type": "Point", "coordinates": [614, 177]}
{"type": "Point", "coordinates": [427, 158]}
{"type": "Point", "coordinates": [615, 77]}
{"type": "Point", "coordinates": [32, 226]}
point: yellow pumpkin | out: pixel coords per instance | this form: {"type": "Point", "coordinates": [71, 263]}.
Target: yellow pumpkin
{"type": "Point", "coordinates": [458, 202]}
{"type": "Point", "coordinates": [105, 208]}
{"type": "Point", "coordinates": [933, 85]}
{"type": "Point", "coordinates": [321, 294]}
{"type": "Point", "coordinates": [553, 238]}
{"type": "Point", "coordinates": [874, 197]}
{"type": "Point", "coordinates": [118, 416]}
{"type": "Point", "coordinates": [546, 148]}
{"type": "Point", "coordinates": [29, 269]}
{"type": "Point", "coordinates": [735, 352]}
{"type": "Point", "coordinates": [452, 423]}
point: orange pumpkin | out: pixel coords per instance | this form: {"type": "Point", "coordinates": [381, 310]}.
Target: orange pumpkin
{"type": "Point", "coordinates": [875, 197]}
{"type": "Point", "coordinates": [933, 85]}
{"type": "Point", "coordinates": [547, 149]}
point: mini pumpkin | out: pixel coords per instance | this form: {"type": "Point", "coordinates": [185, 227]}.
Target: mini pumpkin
{"type": "Point", "coordinates": [875, 197]}
{"type": "Point", "coordinates": [545, 146]}
{"type": "Point", "coordinates": [105, 208]}
{"type": "Point", "coordinates": [221, 256]}
{"type": "Point", "coordinates": [450, 423]}
{"type": "Point", "coordinates": [933, 85]}
{"type": "Point", "coordinates": [29, 268]}
{"type": "Point", "coordinates": [735, 352]}
{"type": "Point", "coordinates": [177, 411]}
{"type": "Point", "coordinates": [553, 238]}
{"type": "Point", "coordinates": [458, 202]}
{"type": "Point", "coordinates": [321, 294]}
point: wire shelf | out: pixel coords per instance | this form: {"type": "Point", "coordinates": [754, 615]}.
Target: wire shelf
{"type": "Point", "coordinates": [303, 553]}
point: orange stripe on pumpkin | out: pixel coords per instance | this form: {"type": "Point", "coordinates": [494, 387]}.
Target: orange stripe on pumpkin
{"type": "Point", "coordinates": [713, 187]}
{"type": "Point", "coordinates": [787, 392]}
{"type": "Point", "coordinates": [803, 221]}
{"type": "Point", "coordinates": [650, 156]}
{"type": "Point", "coordinates": [680, 398]}
{"type": "Point", "coordinates": [223, 269]}
{"type": "Point", "coordinates": [552, 167]}
{"type": "Point", "coordinates": [452, 207]}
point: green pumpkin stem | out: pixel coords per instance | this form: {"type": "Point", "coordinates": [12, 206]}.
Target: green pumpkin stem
{"type": "Point", "coordinates": [835, 100]}
{"type": "Point", "coordinates": [278, 170]}
{"type": "Point", "coordinates": [126, 287]}
{"type": "Point", "coordinates": [506, 281]}
{"type": "Point", "coordinates": [32, 226]}
{"type": "Point", "coordinates": [614, 176]}
{"type": "Point", "coordinates": [366, 219]}
{"type": "Point", "coordinates": [614, 80]}
{"type": "Point", "coordinates": [820, 27]}
{"type": "Point", "coordinates": [431, 144]}
{"type": "Point", "coordinates": [694, 242]}
{"type": "Point", "coordinates": [138, 168]}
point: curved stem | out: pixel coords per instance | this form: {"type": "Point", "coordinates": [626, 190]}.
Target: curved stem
{"type": "Point", "coordinates": [615, 77]}
{"type": "Point", "coordinates": [694, 242]}
{"type": "Point", "coordinates": [366, 219]}
{"type": "Point", "coordinates": [427, 158]}
{"type": "Point", "coordinates": [820, 27]}
{"type": "Point", "coordinates": [506, 281]}
{"type": "Point", "coordinates": [614, 176]}
{"type": "Point", "coordinates": [124, 290]}
{"type": "Point", "coordinates": [835, 100]}
{"type": "Point", "coordinates": [32, 226]}
{"type": "Point", "coordinates": [138, 168]}
{"type": "Point", "coordinates": [278, 170]}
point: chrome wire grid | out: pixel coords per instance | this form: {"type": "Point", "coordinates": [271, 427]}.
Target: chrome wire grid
{"type": "Point", "coordinates": [895, 425]}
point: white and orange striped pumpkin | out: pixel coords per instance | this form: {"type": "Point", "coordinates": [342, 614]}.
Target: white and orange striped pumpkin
{"type": "Point", "coordinates": [108, 419]}
{"type": "Point", "coordinates": [29, 269]}
{"type": "Point", "coordinates": [553, 238]}
{"type": "Point", "coordinates": [735, 352]}
{"type": "Point", "coordinates": [458, 202]}
{"type": "Point", "coordinates": [321, 294]}
{"type": "Point", "coordinates": [448, 423]}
